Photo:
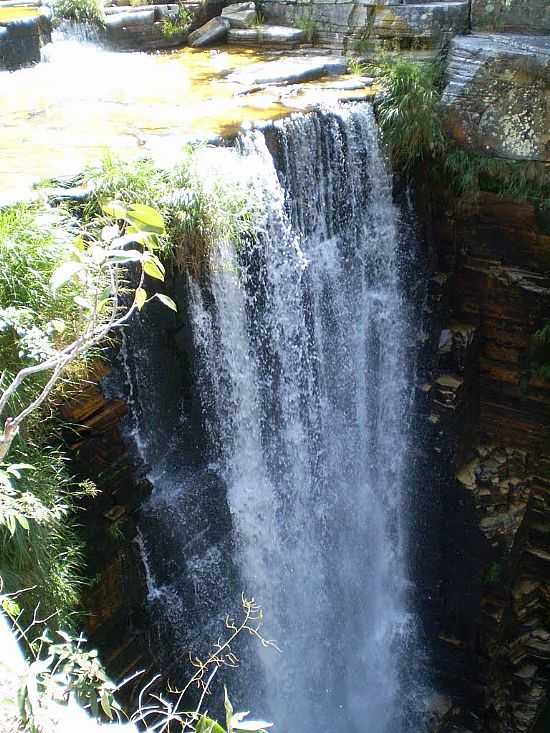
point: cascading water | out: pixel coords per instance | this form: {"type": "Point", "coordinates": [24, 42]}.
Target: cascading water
{"type": "Point", "coordinates": [305, 368]}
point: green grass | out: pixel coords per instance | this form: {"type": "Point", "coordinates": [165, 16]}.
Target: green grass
{"type": "Point", "coordinates": [309, 24]}
{"type": "Point", "coordinates": [178, 25]}
{"type": "Point", "coordinates": [408, 110]}
{"type": "Point", "coordinates": [47, 556]}
{"type": "Point", "coordinates": [195, 217]}
{"type": "Point", "coordinates": [80, 11]}
{"type": "Point", "coordinates": [523, 180]}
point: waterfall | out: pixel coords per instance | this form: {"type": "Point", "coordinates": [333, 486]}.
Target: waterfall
{"type": "Point", "coordinates": [305, 357]}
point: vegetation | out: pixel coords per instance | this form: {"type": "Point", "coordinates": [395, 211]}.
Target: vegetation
{"type": "Point", "coordinates": [198, 211]}
{"type": "Point", "coordinates": [408, 111]}
{"type": "Point", "coordinates": [177, 25]}
{"type": "Point", "coordinates": [412, 125]}
{"type": "Point", "coordinates": [79, 11]}
{"type": "Point", "coordinates": [60, 297]}
{"type": "Point", "coordinates": [356, 67]}
{"type": "Point", "coordinates": [309, 24]}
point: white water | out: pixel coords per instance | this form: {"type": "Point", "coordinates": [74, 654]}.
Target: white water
{"type": "Point", "coordinates": [304, 364]}
{"type": "Point", "coordinates": [306, 376]}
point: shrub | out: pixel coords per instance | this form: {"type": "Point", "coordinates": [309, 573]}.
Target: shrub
{"type": "Point", "coordinates": [408, 110]}
{"type": "Point", "coordinates": [79, 11]}
{"type": "Point", "coordinates": [177, 25]}
{"type": "Point", "coordinates": [308, 24]}
{"type": "Point", "coordinates": [197, 215]}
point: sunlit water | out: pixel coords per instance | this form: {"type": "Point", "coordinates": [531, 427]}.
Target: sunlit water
{"type": "Point", "coordinates": [66, 112]}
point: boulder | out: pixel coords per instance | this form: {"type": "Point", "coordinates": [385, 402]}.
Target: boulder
{"type": "Point", "coordinates": [497, 97]}
{"type": "Point", "coordinates": [289, 71]}
{"type": "Point", "coordinates": [130, 19]}
{"type": "Point", "coordinates": [515, 16]}
{"type": "Point", "coordinates": [266, 35]}
{"type": "Point", "coordinates": [240, 15]}
{"type": "Point", "coordinates": [214, 30]}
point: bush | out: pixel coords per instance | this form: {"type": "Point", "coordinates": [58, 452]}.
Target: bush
{"type": "Point", "coordinates": [39, 544]}
{"type": "Point", "coordinates": [177, 25]}
{"type": "Point", "coordinates": [408, 110]}
{"type": "Point", "coordinates": [196, 216]}
{"type": "Point", "coordinates": [79, 11]}
{"type": "Point", "coordinates": [308, 24]}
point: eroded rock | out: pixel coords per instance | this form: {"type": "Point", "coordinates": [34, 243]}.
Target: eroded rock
{"type": "Point", "coordinates": [240, 15]}
{"type": "Point", "coordinates": [497, 96]}
{"type": "Point", "coordinates": [214, 30]}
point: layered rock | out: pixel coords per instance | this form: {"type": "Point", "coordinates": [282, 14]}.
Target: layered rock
{"type": "Point", "coordinates": [497, 97]}
{"type": "Point", "coordinates": [516, 16]}
{"type": "Point", "coordinates": [22, 39]}
{"type": "Point", "coordinates": [369, 26]}
{"type": "Point", "coordinates": [487, 416]}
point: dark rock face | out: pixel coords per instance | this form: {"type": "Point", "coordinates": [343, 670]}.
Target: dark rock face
{"type": "Point", "coordinates": [516, 16]}
{"type": "Point", "coordinates": [490, 422]}
{"type": "Point", "coordinates": [21, 40]}
{"type": "Point", "coordinates": [497, 96]}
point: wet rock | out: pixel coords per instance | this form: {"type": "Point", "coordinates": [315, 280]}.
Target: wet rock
{"type": "Point", "coordinates": [215, 30]}
{"type": "Point", "coordinates": [290, 71]}
{"type": "Point", "coordinates": [21, 41]}
{"type": "Point", "coordinates": [516, 16]}
{"type": "Point", "coordinates": [497, 96]}
{"type": "Point", "coordinates": [130, 19]}
{"type": "Point", "coordinates": [240, 15]}
{"type": "Point", "coordinates": [266, 35]}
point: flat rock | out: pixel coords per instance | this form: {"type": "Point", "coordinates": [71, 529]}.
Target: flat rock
{"type": "Point", "coordinates": [215, 30]}
{"type": "Point", "coordinates": [515, 16]}
{"type": "Point", "coordinates": [130, 19]}
{"type": "Point", "coordinates": [497, 96]}
{"type": "Point", "coordinates": [266, 35]}
{"type": "Point", "coordinates": [240, 15]}
{"type": "Point", "coordinates": [290, 71]}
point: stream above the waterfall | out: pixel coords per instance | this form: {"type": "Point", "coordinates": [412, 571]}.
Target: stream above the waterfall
{"type": "Point", "coordinates": [82, 101]}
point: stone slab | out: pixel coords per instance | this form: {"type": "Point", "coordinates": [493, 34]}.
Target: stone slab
{"type": "Point", "coordinates": [497, 96]}
{"type": "Point", "coordinates": [215, 30]}
{"type": "Point", "coordinates": [290, 71]}
{"type": "Point", "coordinates": [240, 15]}
{"type": "Point", "coordinates": [266, 35]}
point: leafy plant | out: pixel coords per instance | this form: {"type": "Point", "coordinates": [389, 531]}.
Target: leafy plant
{"type": "Point", "coordinates": [177, 25]}
{"type": "Point", "coordinates": [80, 11]}
{"type": "Point", "coordinates": [408, 110]}
{"type": "Point", "coordinates": [471, 173]}
{"type": "Point", "coordinates": [309, 24]}
{"type": "Point", "coordinates": [259, 18]}
{"type": "Point", "coordinates": [356, 67]}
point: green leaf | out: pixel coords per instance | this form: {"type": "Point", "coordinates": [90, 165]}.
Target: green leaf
{"type": "Point", "coordinates": [165, 300]}
{"type": "Point", "coordinates": [151, 268]}
{"type": "Point", "coordinates": [11, 607]}
{"type": "Point", "coordinates": [23, 521]}
{"type": "Point", "coordinates": [115, 209]}
{"type": "Point", "coordinates": [64, 273]}
{"type": "Point", "coordinates": [228, 710]}
{"type": "Point", "coordinates": [146, 219]}
{"type": "Point", "coordinates": [106, 705]}
{"type": "Point", "coordinates": [124, 255]}
{"type": "Point", "coordinates": [140, 298]}
{"type": "Point", "coordinates": [207, 725]}
{"type": "Point", "coordinates": [16, 468]}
